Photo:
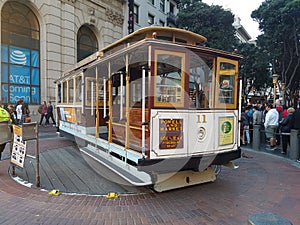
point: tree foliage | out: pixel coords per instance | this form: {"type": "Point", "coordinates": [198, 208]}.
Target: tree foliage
{"type": "Point", "coordinates": [253, 68]}
{"type": "Point", "coordinates": [213, 22]}
{"type": "Point", "coordinates": [280, 22]}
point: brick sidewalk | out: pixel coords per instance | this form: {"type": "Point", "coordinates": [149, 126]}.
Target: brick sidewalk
{"type": "Point", "coordinates": [262, 183]}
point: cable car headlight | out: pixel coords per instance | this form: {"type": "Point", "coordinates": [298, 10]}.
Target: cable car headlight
{"type": "Point", "coordinates": [201, 134]}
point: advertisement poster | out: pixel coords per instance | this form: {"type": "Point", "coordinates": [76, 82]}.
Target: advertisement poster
{"type": "Point", "coordinates": [68, 114]}
{"type": "Point", "coordinates": [226, 130]}
{"type": "Point", "coordinates": [19, 148]}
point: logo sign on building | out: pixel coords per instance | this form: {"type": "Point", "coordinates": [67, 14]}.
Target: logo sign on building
{"type": "Point", "coordinates": [20, 74]}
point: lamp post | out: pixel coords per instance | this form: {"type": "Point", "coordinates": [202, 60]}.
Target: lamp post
{"type": "Point", "coordinates": [275, 78]}
{"type": "Point", "coordinates": [283, 93]}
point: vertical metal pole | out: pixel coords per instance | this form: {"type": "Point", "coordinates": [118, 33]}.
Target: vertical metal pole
{"type": "Point", "coordinates": [274, 99]}
{"type": "Point", "coordinates": [283, 93]}
{"type": "Point", "coordinates": [240, 110]}
{"type": "Point", "coordinates": [127, 94]}
{"type": "Point", "coordinates": [97, 105]}
{"type": "Point", "coordinates": [110, 114]}
{"type": "Point", "coordinates": [82, 94]}
{"type": "Point", "coordinates": [104, 97]}
{"type": "Point", "coordinates": [38, 181]}
{"type": "Point", "coordinates": [121, 95]}
{"type": "Point", "coordinates": [92, 98]}
{"type": "Point", "coordinates": [13, 172]}
{"type": "Point", "coordinates": [143, 109]}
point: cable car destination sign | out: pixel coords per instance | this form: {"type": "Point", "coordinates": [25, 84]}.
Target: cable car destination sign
{"type": "Point", "coordinates": [170, 133]}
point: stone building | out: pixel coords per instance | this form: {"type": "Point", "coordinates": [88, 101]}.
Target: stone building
{"type": "Point", "coordinates": [155, 12]}
{"type": "Point", "coordinates": [40, 39]}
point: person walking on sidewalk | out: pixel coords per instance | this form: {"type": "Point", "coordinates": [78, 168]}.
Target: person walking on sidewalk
{"type": "Point", "coordinates": [50, 114]}
{"type": "Point", "coordinates": [285, 128]}
{"type": "Point", "coordinates": [271, 124]}
{"type": "Point", "coordinates": [43, 109]}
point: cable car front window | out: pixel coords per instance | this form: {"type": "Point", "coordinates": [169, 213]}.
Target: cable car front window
{"type": "Point", "coordinates": [169, 79]}
{"type": "Point", "coordinates": [200, 82]}
{"type": "Point", "coordinates": [227, 74]}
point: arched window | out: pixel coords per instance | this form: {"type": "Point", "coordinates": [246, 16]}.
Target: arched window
{"type": "Point", "coordinates": [86, 43]}
{"type": "Point", "coordinates": [20, 54]}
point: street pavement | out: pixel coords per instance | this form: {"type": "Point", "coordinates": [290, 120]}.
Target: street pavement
{"type": "Point", "coordinates": [264, 182]}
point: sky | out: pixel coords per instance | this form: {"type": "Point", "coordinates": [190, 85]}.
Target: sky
{"type": "Point", "coordinates": [243, 9]}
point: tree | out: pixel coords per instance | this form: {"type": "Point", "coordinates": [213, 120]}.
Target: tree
{"type": "Point", "coordinates": [280, 22]}
{"type": "Point", "coordinates": [253, 68]}
{"type": "Point", "coordinates": [213, 22]}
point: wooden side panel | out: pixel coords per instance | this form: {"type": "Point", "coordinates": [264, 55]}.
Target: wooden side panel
{"type": "Point", "coordinates": [135, 117]}
{"type": "Point", "coordinates": [135, 131]}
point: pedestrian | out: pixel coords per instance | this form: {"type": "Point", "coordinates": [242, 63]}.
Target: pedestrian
{"type": "Point", "coordinates": [43, 108]}
{"type": "Point", "coordinates": [279, 109]}
{"type": "Point", "coordinates": [284, 112]}
{"type": "Point", "coordinates": [271, 124]}
{"type": "Point", "coordinates": [19, 113]}
{"type": "Point", "coordinates": [12, 114]}
{"type": "Point", "coordinates": [245, 122]}
{"type": "Point", "coordinates": [5, 106]}
{"type": "Point", "coordinates": [26, 112]}
{"type": "Point", "coordinates": [295, 122]}
{"type": "Point", "coordinates": [50, 114]}
{"type": "Point", "coordinates": [257, 116]}
{"type": "Point", "coordinates": [4, 115]}
{"type": "Point", "coordinates": [285, 128]}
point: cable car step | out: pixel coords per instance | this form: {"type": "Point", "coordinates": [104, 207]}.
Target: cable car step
{"type": "Point", "coordinates": [121, 168]}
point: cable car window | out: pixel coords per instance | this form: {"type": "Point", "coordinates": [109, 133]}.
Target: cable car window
{"type": "Point", "coordinates": [78, 90]}
{"type": "Point", "coordinates": [90, 91]}
{"type": "Point", "coordinates": [169, 81]}
{"type": "Point", "coordinates": [71, 91]}
{"type": "Point", "coordinates": [65, 92]}
{"type": "Point", "coordinates": [200, 82]}
{"type": "Point", "coordinates": [226, 83]}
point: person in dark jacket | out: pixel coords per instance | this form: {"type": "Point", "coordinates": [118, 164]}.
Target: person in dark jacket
{"type": "Point", "coordinates": [49, 114]}
{"type": "Point", "coordinates": [286, 125]}
{"type": "Point", "coordinates": [296, 120]}
{"type": "Point", "coordinates": [245, 123]}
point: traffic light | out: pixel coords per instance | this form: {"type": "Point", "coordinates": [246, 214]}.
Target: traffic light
{"type": "Point", "coordinates": [130, 16]}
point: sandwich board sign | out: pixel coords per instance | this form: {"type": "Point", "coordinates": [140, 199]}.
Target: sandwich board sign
{"type": "Point", "coordinates": [19, 147]}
